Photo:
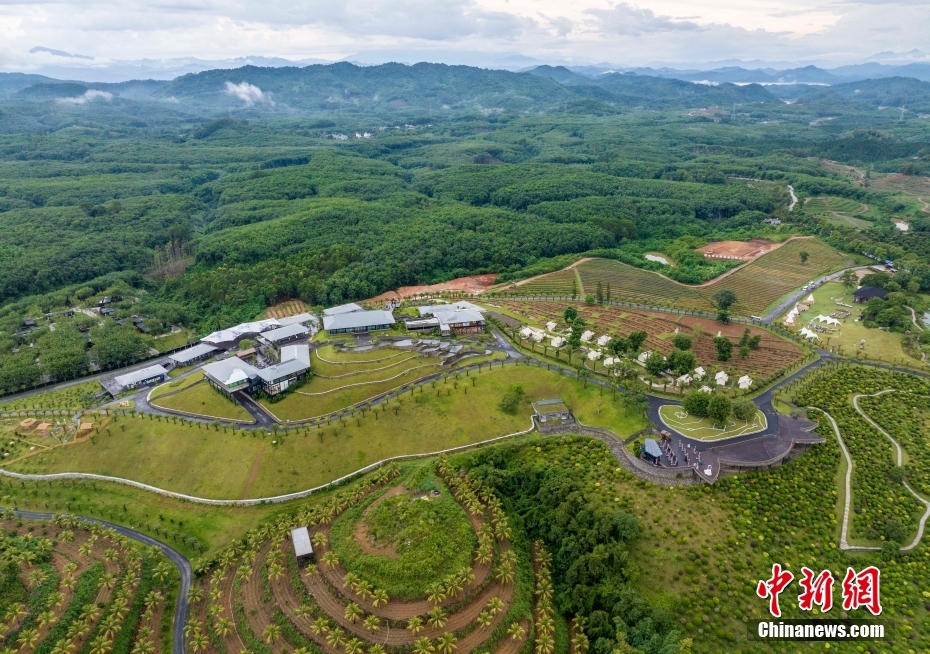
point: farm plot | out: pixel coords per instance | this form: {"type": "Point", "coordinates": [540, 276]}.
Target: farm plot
{"type": "Point", "coordinates": [769, 277]}
{"type": "Point", "coordinates": [82, 587]}
{"type": "Point", "coordinates": [258, 593]}
{"type": "Point", "coordinates": [704, 429]}
{"type": "Point", "coordinates": [773, 356]}
{"type": "Point", "coordinates": [640, 286]}
{"type": "Point", "coordinates": [562, 283]}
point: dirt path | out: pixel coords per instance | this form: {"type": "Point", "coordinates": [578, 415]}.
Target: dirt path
{"type": "Point", "coordinates": [253, 473]}
{"type": "Point", "coordinates": [512, 646]}
{"type": "Point", "coordinates": [361, 533]}
{"type": "Point", "coordinates": [924, 202]}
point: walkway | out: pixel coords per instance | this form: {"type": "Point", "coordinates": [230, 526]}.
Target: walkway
{"type": "Point", "coordinates": [178, 559]}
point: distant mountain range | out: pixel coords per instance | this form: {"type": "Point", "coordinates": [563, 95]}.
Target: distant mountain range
{"type": "Point", "coordinates": [766, 76]}
{"type": "Point", "coordinates": [422, 91]}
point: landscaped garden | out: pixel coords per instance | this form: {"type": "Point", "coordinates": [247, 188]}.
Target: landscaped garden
{"type": "Point", "coordinates": [705, 428]}
{"type": "Point", "coordinates": [201, 399]}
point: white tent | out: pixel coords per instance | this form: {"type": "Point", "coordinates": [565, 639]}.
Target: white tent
{"type": "Point", "coordinates": [643, 356]}
{"type": "Point", "coordinates": [558, 341]}
{"type": "Point", "coordinates": [594, 355]}
{"type": "Point", "coordinates": [684, 380]}
{"type": "Point", "coordinates": [526, 332]}
{"type": "Point", "coordinates": [587, 336]}
{"type": "Point", "coordinates": [830, 320]}
{"type": "Point", "coordinates": [609, 361]}
{"type": "Point", "coordinates": [538, 336]}
{"type": "Point", "coordinates": [603, 340]}
{"type": "Point", "coordinates": [744, 382]}
{"type": "Point", "coordinates": [699, 373]}
{"type": "Point", "coordinates": [806, 333]}
{"type": "Point", "coordinates": [551, 326]}
{"type": "Point", "coordinates": [810, 299]}
{"type": "Point", "coordinates": [794, 313]}
{"type": "Point", "coordinates": [721, 378]}
{"type": "Point", "coordinates": [706, 389]}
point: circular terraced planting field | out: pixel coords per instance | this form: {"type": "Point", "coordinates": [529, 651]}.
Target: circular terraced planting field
{"type": "Point", "coordinates": [421, 562]}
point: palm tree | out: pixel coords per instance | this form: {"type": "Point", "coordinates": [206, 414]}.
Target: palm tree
{"type": "Point", "coordinates": [62, 646]}
{"type": "Point", "coordinates": [57, 598]}
{"type": "Point", "coordinates": [415, 624]}
{"type": "Point", "coordinates": [336, 638]}
{"type": "Point", "coordinates": [319, 539]}
{"type": "Point", "coordinates": [376, 649]}
{"type": "Point", "coordinates": [349, 580]}
{"type": "Point", "coordinates": [372, 623]}
{"type": "Point", "coordinates": [99, 645]}
{"type": "Point", "coordinates": [310, 570]}
{"type": "Point", "coordinates": [353, 612]}
{"type": "Point", "coordinates": [435, 593]}
{"type": "Point", "coordinates": [275, 572]}
{"type": "Point", "coordinates": [484, 619]}
{"type": "Point", "coordinates": [423, 646]}
{"type": "Point", "coordinates": [545, 644]}
{"type": "Point", "coordinates": [27, 638]}
{"type": "Point", "coordinates": [271, 634]}
{"type": "Point", "coordinates": [495, 605]}
{"type": "Point", "coordinates": [331, 559]}
{"type": "Point", "coordinates": [112, 626]}
{"type": "Point", "coordinates": [516, 631]}
{"type": "Point", "coordinates": [354, 646]}
{"type": "Point", "coordinates": [161, 572]}
{"type": "Point", "coordinates": [446, 643]}
{"type": "Point", "coordinates": [36, 577]}
{"type": "Point", "coordinates": [144, 647]}
{"type": "Point", "coordinates": [199, 642]}
{"type": "Point", "coordinates": [504, 574]}
{"type": "Point", "coordinates": [194, 595]}
{"type": "Point", "coordinates": [303, 610]}
{"type": "Point", "coordinates": [436, 618]}
{"type": "Point", "coordinates": [379, 597]}
{"type": "Point", "coordinates": [223, 627]}
{"type": "Point", "coordinates": [320, 626]}
{"type": "Point", "coordinates": [45, 618]}
{"type": "Point", "coordinates": [16, 611]}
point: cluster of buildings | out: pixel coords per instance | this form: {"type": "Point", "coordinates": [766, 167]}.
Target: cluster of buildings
{"type": "Point", "coordinates": [457, 318]}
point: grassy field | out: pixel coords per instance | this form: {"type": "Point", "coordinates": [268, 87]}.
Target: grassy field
{"type": "Point", "coordinates": [172, 341]}
{"type": "Point", "coordinates": [176, 385]}
{"type": "Point", "coordinates": [222, 464]}
{"type": "Point", "coordinates": [879, 345]}
{"type": "Point", "coordinates": [703, 429]}
{"type": "Point", "coordinates": [204, 400]}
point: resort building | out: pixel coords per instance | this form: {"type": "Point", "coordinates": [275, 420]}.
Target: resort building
{"type": "Point", "coordinates": [135, 379]}
{"type": "Point", "coordinates": [232, 374]}
{"type": "Point", "coordinates": [192, 355]}
{"type": "Point", "coordinates": [358, 322]}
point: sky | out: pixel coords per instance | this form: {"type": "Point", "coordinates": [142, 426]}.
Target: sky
{"type": "Point", "coordinates": [43, 35]}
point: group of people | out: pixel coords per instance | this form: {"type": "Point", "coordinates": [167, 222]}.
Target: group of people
{"type": "Point", "coordinates": [685, 452]}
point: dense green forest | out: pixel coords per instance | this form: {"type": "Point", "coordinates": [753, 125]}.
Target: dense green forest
{"type": "Point", "coordinates": [335, 183]}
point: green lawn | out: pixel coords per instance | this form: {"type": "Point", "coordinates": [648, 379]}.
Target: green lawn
{"type": "Point", "coordinates": [703, 429]}
{"type": "Point", "coordinates": [424, 366]}
{"type": "Point", "coordinates": [171, 341]}
{"type": "Point", "coordinates": [221, 464]}
{"type": "Point", "coordinates": [176, 385]}
{"type": "Point", "coordinates": [879, 345]}
{"type": "Point", "coordinates": [204, 400]}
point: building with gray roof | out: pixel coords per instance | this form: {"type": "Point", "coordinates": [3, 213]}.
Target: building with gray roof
{"type": "Point", "coordinates": [358, 322]}
{"type": "Point", "coordinates": [284, 334]}
{"type": "Point", "coordinates": [351, 307]}
{"type": "Point", "coordinates": [192, 355]}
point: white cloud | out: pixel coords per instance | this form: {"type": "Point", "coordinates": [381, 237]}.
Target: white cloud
{"type": "Point", "coordinates": [89, 96]}
{"type": "Point", "coordinates": [248, 93]}
{"type": "Point", "coordinates": [632, 21]}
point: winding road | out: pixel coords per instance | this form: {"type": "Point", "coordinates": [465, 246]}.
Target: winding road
{"type": "Point", "coordinates": [178, 559]}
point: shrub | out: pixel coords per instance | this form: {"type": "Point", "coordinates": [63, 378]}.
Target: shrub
{"type": "Point", "coordinates": [509, 403]}
{"type": "Point", "coordinates": [682, 342]}
{"type": "Point", "coordinates": [743, 409]}
{"type": "Point", "coordinates": [695, 403]}
{"type": "Point", "coordinates": [724, 348]}
{"type": "Point", "coordinates": [719, 407]}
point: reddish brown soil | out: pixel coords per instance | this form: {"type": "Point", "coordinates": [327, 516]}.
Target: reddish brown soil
{"type": "Point", "coordinates": [751, 249]}
{"type": "Point", "coordinates": [472, 284]}
{"type": "Point", "coordinates": [511, 646]}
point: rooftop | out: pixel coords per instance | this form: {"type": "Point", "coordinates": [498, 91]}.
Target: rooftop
{"type": "Point", "coordinates": [192, 353]}
{"type": "Point", "coordinates": [437, 309]}
{"type": "Point", "coordinates": [341, 309]}
{"type": "Point", "coordinates": [230, 371]}
{"type": "Point", "coordinates": [301, 539]}
{"type": "Point", "coordinates": [284, 333]}
{"type": "Point", "coordinates": [138, 376]}
{"type": "Point", "coordinates": [358, 319]}
{"type": "Point", "coordinates": [296, 352]}
{"type": "Point", "coordinates": [299, 319]}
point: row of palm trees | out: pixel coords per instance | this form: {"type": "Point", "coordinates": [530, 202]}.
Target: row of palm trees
{"type": "Point", "coordinates": [545, 623]}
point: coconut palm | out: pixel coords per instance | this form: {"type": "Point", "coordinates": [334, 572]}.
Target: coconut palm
{"type": "Point", "coordinates": [353, 612]}
{"type": "Point", "coordinates": [435, 593]}
{"type": "Point", "coordinates": [275, 572]}
{"type": "Point", "coordinates": [320, 539]}
{"type": "Point", "coordinates": [495, 605]}
{"type": "Point", "coordinates": [99, 645]}
{"type": "Point", "coordinates": [436, 618]}
{"type": "Point", "coordinates": [320, 626]}
{"type": "Point", "coordinates": [310, 570]}
{"type": "Point", "coordinates": [62, 646]}
{"type": "Point", "coordinates": [144, 647]}
{"type": "Point", "coordinates": [46, 618]}
{"type": "Point", "coordinates": [504, 574]}
{"type": "Point", "coordinates": [516, 631]}
{"type": "Point", "coordinates": [223, 627]}
{"type": "Point", "coordinates": [36, 577]}
{"type": "Point", "coordinates": [379, 597]}
{"type": "Point", "coordinates": [415, 625]}
{"type": "Point", "coordinates": [545, 643]}
{"type": "Point", "coordinates": [199, 642]}
{"type": "Point", "coordinates": [271, 634]}
{"type": "Point", "coordinates": [111, 626]}
{"type": "Point", "coordinates": [484, 619]}
{"type": "Point", "coordinates": [354, 646]}
{"type": "Point", "coordinates": [336, 638]}
{"type": "Point", "coordinates": [580, 643]}
{"type": "Point", "coordinates": [423, 646]}
{"type": "Point", "coordinates": [15, 612]}
{"type": "Point", "coordinates": [349, 580]}
{"type": "Point", "coordinates": [376, 649]}
{"type": "Point", "coordinates": [446, 643]}
{"type": "Point", "coordinates": [27, 638]}
{"type": "Point", "coordinates": [85, 549]}
{"type": "Point", "coordinates": [194, 595]}
{"type": "Point", "coordinates": [161, 571]}
{"type": "Point", "coordinates": [303, 610]}
{"type": "Point", "coordinates": [372, 623]}
{"type": "Point", "coordinates": [331, 559]}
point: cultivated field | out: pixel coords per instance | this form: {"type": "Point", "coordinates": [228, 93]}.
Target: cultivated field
{"type": "Point", "coordinates": [704, 429]}
{"type": "Point", "coordinates": [288, 308]}
{"type": "Point", "coordinates": [76, 586]}
{"type": "Point", "coordinates": [259, 595]}
{"type": "Point", "coordinates": [757, 285]}
{"type": "Point", "coordinates": [774, 355]}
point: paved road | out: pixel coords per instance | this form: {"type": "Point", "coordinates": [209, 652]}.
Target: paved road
{"type": "Point", "coordinates": [178, 559]}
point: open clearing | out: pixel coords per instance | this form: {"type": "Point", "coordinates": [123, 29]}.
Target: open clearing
{"type": "Point", "coordinates": [703, 429]}
{"type": "Point", "coordinates": [217, 463]}
{"type": "Point", "coordinates": [204, 400]}
{"type": "Point", "coordinates": [750, 249]}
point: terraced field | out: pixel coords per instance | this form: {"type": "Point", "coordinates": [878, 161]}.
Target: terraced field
{"type": "Point", "coordinates": [757, 285]}
{"type": "Point", "coordinates": [561, 283]}
{"type": "Point", "coordinates": [256, 596]}
{"type": "Point", "coordinates": [773, 356]}
{"type": "Point", "coordinates": [71, 585]}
